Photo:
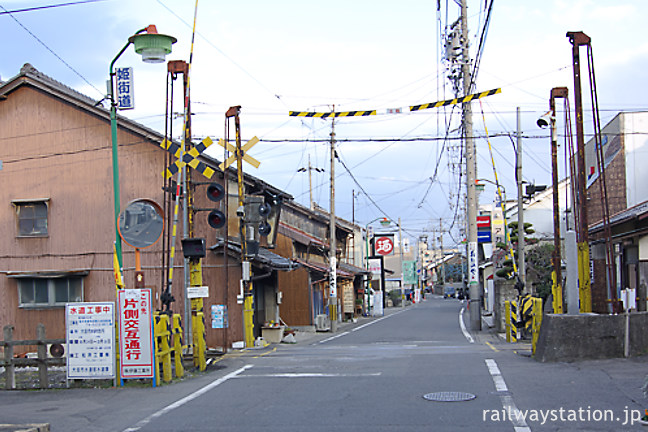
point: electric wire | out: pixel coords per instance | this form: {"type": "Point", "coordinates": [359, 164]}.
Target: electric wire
{"type": "Point", "coordinates": [51, 50]}
{"type": "Point", "coordinates": [35, 8]}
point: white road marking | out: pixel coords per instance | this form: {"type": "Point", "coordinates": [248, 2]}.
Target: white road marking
{"type": "Point", "coordinates": [308, 375]}
{"type": "Point", "coordinates": [186, 399]}
{"type": "Point", "coordinates": [519, 424]}
{"type": "Point", "coordinates": [333, 337]}
{"type": "Point", "coordinates": [463, 327]}
{"type": "Point", "coordinates": [358, 328]}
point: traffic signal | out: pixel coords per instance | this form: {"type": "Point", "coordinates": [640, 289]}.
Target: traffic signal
{"type": "Point", "coordinates": [531, 189]}
{"type": "Point", "coordinates": [216, 218]}
{"type": "Point", "coordinates": [256, 215]}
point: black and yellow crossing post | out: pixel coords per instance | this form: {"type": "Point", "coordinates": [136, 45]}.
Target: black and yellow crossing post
{"type": "Point", "coordinates": [197, 316]}
{"type": "Point", "coordinates": [248, 301]}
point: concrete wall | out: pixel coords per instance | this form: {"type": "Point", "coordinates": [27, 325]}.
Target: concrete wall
{"type": "Point", "coordinates": [591, 336]}
{"type": "Point", "coordinates": [504, 290]}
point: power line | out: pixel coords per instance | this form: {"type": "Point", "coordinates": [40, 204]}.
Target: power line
{"type": "Point", "coordinates": [48, 6]}
{"type": "Point", "coordinates": [51, 50]}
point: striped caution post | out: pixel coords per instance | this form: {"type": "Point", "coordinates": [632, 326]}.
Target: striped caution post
{"type": "Point", "coordinates": [510, 321]}
{"type": "Point", "coordinates": [513, 321]}
{"type": "Point", "coordinates": [456, 100]}
{"type": "Point", "coordinates": [526, 308]}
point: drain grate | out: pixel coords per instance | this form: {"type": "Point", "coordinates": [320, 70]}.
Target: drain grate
{"type": "Point", "coordinates": [449, 396]}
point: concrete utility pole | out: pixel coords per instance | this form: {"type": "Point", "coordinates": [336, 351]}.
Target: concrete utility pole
{"type": "Point", "coordinates": [471, 175]}
{"type": "Point", "coordinates": [443, 273]}
{"type": "Point", "coordinates": [400, 244]}
{"type": "Point", "coordinates": [332, 255]}
{"type": "Point", "coordinates": [518, 175]}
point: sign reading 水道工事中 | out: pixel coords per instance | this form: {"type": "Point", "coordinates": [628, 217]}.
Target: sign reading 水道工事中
{"type": "Point", "coordinates": [90, 337]}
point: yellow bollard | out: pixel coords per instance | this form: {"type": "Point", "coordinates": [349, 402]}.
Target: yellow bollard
{"type": "Point", "coordinates": [199, 346]}
{"type": "Point", "coordinates": [507, 320]}
{"type": "Point", "coordinates": [537, 321]}
{"type": "Point", "coordinates": [177, 345]}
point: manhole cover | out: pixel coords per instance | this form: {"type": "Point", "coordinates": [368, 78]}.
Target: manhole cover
{"type": "Point", "coordinates": [449, 396]}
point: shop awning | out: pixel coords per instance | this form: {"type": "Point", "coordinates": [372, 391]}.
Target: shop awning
{"type": "Point", "coordinates": [264, 258]}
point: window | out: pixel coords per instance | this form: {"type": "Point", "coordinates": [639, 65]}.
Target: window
{"type": "Point", "coordinates": [32, 218]}
{"type": "Point", "coordinates": [44, 292]}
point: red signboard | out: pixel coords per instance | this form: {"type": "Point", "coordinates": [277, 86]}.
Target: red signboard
{"type": "Point", "coordinates": [136, 333]}
{"type": "Point", "coordinates": [384, 245]}
{"type": "Point", "coordinates": [483, 221]}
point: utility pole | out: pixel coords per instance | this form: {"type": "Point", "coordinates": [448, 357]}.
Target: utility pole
{"type": "Point", "coordinates": [310, 180]}
{"type": "Point", "coordinates": [333, 244]}
{"type": "Point", "coordinates": [400, 243]}
{"type": "Point", "coordinates": [471, 175]}
{"type": "Point", "coordinates": [443, 272]}
{"type": "Point", "coordinates": [520, 215]}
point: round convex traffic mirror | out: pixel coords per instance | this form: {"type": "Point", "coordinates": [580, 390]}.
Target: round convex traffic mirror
{"type": "Point", "coordinates": [141, 223]}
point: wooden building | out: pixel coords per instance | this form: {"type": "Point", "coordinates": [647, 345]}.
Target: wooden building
{"type": "Point", "coordinates": [57, 212]}
{"type": "Point", "coordinates": [57, 221]}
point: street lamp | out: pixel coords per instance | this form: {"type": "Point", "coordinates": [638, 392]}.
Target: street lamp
{"type": "Point", "coordinates": [153, 47]}
{"type": "Point", "coordinates": [384, 222]}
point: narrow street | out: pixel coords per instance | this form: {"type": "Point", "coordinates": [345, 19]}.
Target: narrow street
{"type": "Point", "coordinates": [370, 376]}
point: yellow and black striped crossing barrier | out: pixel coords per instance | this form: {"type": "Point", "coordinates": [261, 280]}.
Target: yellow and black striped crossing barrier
{"type": "Point", "coordinates": [331, 114]}
{"type": "Point", "coordinates": [456, 100]}
{"type": "Point", "coordinates": [420, 107]}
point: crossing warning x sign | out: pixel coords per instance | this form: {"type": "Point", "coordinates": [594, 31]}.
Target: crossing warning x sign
{"type": "Point", "coordinates": [188, 158]}
{"type": "Point", "coordinates": [246, 157]}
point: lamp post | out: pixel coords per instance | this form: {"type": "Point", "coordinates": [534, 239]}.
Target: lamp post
{"type": "Point", "coordinates": [153, 47]}
{"type": "Point", "coordinates": [385, 222]}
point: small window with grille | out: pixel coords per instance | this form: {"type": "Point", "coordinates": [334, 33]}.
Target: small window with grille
{"type": "Point", "coordinates": [32, 218]}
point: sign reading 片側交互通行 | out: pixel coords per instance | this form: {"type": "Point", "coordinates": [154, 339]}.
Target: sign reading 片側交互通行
{"type": "Point", "coordinates": [90, 338]}
{"type": "Point", "coordinates": [135, 333]}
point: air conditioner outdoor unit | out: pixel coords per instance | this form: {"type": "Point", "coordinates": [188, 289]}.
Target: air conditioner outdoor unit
{"type": "Point", "coordinates": [322, 323]}
{"type": "Point", "coordinates": [57, 350]}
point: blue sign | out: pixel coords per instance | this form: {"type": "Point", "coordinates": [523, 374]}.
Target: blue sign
{"type": "Point", "coordinates": [484, 236]}
{"type": "Point", "coordinates": [124, 87]}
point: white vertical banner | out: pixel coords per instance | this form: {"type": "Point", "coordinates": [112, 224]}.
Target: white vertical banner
{"type": "Point", "coordinates": [333, 278]}
{"type": "Point", "coordinates": [136, 333]}
{"type": "Point", "coordinates": [473, 263]}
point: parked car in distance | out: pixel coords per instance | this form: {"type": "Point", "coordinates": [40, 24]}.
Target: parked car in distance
{"type": "Point", "coordinates": [448, 291]}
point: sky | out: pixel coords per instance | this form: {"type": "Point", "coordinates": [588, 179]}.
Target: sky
{"type": "Point", "coordinates": [289, 55]}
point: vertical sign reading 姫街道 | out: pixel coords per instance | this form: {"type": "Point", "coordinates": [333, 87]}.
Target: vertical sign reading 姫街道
{"type": "Point", "coordinates": [124, 87]}
{"type": "Point", "coordinates": [135, 334]}
{"type": "Point", "coordinates": [90, 337]}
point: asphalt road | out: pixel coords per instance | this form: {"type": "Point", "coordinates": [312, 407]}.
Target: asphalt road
{"type": "Point", "coordinates": [373, 375]}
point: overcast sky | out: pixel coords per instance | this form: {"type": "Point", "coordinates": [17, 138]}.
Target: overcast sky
{"type": "Point", "coordinates": [272, 57]}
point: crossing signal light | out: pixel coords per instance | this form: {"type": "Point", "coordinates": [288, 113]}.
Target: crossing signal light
{"type": "Point", "coordinates": [216, 218]}
{"type": "Point", "coordinates": [215, 192]}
